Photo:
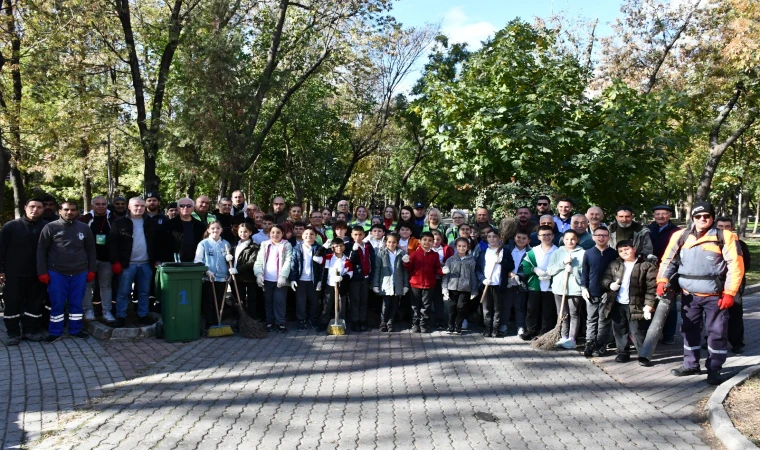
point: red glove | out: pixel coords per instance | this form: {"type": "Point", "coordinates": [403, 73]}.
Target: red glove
{"type": "Point", "coordinates": [116, 268]}
{"type": "Point", "coordinates": [726, 301]}
{"type": "Point", "coordinates": [44, 278]}
{"type": "Point", "coordinates": [661, 289]}
{"type": "Point", "coordinates": [90, 276]}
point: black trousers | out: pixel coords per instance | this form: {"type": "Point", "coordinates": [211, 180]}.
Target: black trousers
{"type": "Point", "coordinates": [422, 301]}
{"type": "Point", "coordinates": [358, 295]}
{"type": "Point", "coordinates": [390, 306]}
{"type": "Point", "coordinates": [24, 302]}
{"type": "Point", "coordinates": [328, 310]}
{"type": "Point", "coordinates": [542, 312]}
{"type": "Point", "coordinates": [307, 301]}
{"type": "Point", "coordinates": [439, 315]}
{"type": "Point", "coordinates": [492, 308]}
{"type": "Point", "coordinates": [248, 296]}
{"type": "Point", "coordinates": [622, 326]}
{"type": "Point", "coordinates": [458, 310]}
{"type": "Point", "coordinates": [736, 324]}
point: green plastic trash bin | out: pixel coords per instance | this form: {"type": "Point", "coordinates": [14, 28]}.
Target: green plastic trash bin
{"type": "Point", "coordinates": [178, 288]}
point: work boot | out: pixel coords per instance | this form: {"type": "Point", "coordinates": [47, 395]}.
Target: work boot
{"type": "Point", "coordinates": [589, 349]}
{"type": "Point", "coordinates": [685, 371]}
{"type": "Point", "coordinates": [13, 340]}
{"type": "Point", "coordinates": [714, 378]}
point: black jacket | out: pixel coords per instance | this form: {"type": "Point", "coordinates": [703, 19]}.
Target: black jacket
{"type": "Point", "coordinates": [361, 273]}
{"type": "Point", "coordinates": [245, 262]}
{"type": "Point", "coordinates": [18, 247]}
{"type": "Point", "coordinates": [171, 240]}
{"type": "Point", "coordinates": [660, 239]}
{"type": "Point", "coordinates": [120, 240]}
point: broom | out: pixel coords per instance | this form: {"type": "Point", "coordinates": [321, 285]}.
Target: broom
{"type": "Point", "coordinates": [219, 330]}
{"type": "Point", "coordinates": [337, 327]}
{"type": "Point", "coordinates": [249, 327]}
{"type": "Point", "coordinates": [548, 340]}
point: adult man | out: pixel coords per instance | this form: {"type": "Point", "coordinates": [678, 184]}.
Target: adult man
{"type": "Point", "coordinates": [66, 263]}
{"type": "Point", "coordinates": [99, 220]}
{"type": "Point", "coordinates": [595, 215]}
{"type": "Point", "coordinates": [171, 210]}
{"type": "Point", "coordinates": [153, 208]}
{"type": "Point", "coordinates": [660, 232]}
{"type": "Point", "coordinates": [736, 312]}
{"type": "Point", "coordinates": [710, 277]}
{"type": "Point", "coordinates": [51, 207]}
{"type": "Point", "coordinates": [546, 220]}
{"type": "Point", "coordinates": [543, 207]}
{"type": "Point", "coordinates": [452, 232]}
{"type": "Point", "coordinates": [250, 212]}
{"type": "Point", "coordinates": [131, 254]}
{"type": "Point", "coordinates": [279, 213]}
{"type": "Point", "coordinates": [182, 234]}
{"type": "Point", "coordinates": [238, 203]}
{"type": "Point", "coordinates": [482, 220]}
{"type": "Point", "coordinates": [580, 226]}
{"type": "Point", "coordinates": [524, 222]}
{"type": "Point", "coordinates": [419, 215]}
{"type": "Point", "coordinates": [224, 215]}
{"type": "Point", "coordinates": [202, 206]}
{"type": "Point", "coordinates": [343, 207]}
{"type": "Point", "coordinates": [624, 229]}
{"type": "Point", "coordinates": [295, 215]}
{"type": "Point", "coordinates": [119, 207]}
{"type": "Point", "coordinates": [24, 294]}
{"type": "Point", "coordinates": [564, 214]}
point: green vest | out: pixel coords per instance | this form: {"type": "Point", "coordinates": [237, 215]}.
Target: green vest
{"type": "Point", "coordinates": [209, 217]}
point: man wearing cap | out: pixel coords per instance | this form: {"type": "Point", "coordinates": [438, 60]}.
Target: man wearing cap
{"type": "Point", "coordinates": [710, 277]}
{"type": "Point", "coordinates": [419, 215]}
{"type": "Point", "coordinates": [153, 208]}
{"type": "Point", "coordinates": [119, 207]}
{"type": "Point", "coordinates": [660, 232]}
{"type": "Point", "coordinates": [171, 210]}
{"type": "Point", "coordinates": [624, 228]}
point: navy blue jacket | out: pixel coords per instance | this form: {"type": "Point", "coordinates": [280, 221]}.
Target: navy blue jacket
{"type": "Point", "coordinates": [594, 264]}
{"type": "Point", "coordinates": [659, 238]}
{"type": "Point", "coordinates": [296, 263]}
{"type": "Point", "coordinates": [507, 265]}
{"type": "Point", "coordinates": [361, 273]}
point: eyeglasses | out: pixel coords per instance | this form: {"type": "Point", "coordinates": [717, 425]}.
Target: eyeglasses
{"type": "Point", "coordinates": [458, 217]}
{"type": "Point", "coordinates": [702, 216]}
{"type": "Point", "coordinates": [542, 204]}
{"type": "Point", "coordinates": [185, 206]}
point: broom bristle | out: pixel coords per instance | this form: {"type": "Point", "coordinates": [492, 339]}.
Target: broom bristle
{"type": "Point", "coordinates": [249, 327]}
{"type": "Point", "coordinates": [548, 340]}
{"type": "Point", "coordinates": [220, 331]}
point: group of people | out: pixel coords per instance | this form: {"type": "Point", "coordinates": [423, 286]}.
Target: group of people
{"type": "Point", "coordinates": [541, 266]}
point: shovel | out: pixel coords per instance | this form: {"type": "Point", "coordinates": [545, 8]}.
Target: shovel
{"type": "Point", "coordinates": [337, 327]}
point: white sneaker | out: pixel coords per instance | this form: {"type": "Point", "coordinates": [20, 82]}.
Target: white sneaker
{"type": "Point", "coordinates": [561, 342]}
{"type": "Point", "coordinates": [520, 331]}
{"type": "Point", "coordinates": [569, 344]}
{"type": "Point", "coordinates": [503, 329]}
{"type": "Point", "coordinates": [89, 315]}
{"type": "Point", "coordinates": [108, 317]}
{"type": "Point", "coordinates": [464, 324]}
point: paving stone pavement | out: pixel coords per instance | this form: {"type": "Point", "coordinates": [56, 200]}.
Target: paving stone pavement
{"type": "Point", "coordinates": [363, 390]}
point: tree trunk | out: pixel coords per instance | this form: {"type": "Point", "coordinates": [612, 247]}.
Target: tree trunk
{"type": "Point", "coordinates": [191, 187]}
{"type": "Point", "coordinates": [84, 151]}
{"type": "Point", "coordinates": [757, 217]}
{"type": "Point", "coordinates": [744, 214]}
{"type": "Point", "coordinates": [346, 177]}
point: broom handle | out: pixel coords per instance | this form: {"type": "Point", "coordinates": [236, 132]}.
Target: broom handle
{"type": "Point", "coordinates": [564, 296]}
{"type": "Point", "coordinates": [234, 281]}
{"type": "Point", "coordinates": [216, 303]}
{"type": "Point", "coordinates": [337, 299]}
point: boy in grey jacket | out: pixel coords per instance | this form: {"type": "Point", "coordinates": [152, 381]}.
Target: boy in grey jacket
{"type": "Point", "coordinates": [390, 280]}
{"type": "Point", "coordinates": [460, 284]}
{"type": "Point", "coordinates": [66, 263]}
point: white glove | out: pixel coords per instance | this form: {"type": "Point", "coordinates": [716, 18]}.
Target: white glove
{"type": "Point", "coordinates": [647, 312]}
{"type": "Point", "coordinates": [335, 278]}
{"type": "Point", "coordinates": [357, 246]}
{"type": "Point", "coordinates": [406, 289]}
{"type": "Point", "coordinates": [210, 275]}
{"type": "Point", "coordinates": [545, 277]}
{"type": "Point", "coordinates": [498, 258]}
{"type": "Point", "coordinates": [376, 290]}
{"type": "Point", "coordinates": [486, 282]}
{"type": "Point", "coordinates": [317, 259]}
{"type": "Point", "coordinates": [260, 280]}
{"type": "Point", "coordinates": [319, 286]}
{"type": "Point", "coordinates": [615, 285]}
{"type": "Point", "coordinates": [445, 270]}
{"type": "Point", "coordinates": [568, 268]}
{"type": "Point", "coordinates": [229, 257]}
{"type": "Point", "coordinates": [473, 295]}
{"type": "Point", "coordinates": [282, 282]}
{"type": "Point", "coordinates": [293, 285]}
{"type": "Point", "coordinates": [445, 294]}
{"type": "Point", "coordinates": [405, 258]}
{"type": "Point", "coordinates": [539, 272]}
{"type": "Point", "coordinates": [568, 259]}
{"type": "Point", "coordinates": [584, 293]}
{"type": "Point", "coordinates": [233, 271]}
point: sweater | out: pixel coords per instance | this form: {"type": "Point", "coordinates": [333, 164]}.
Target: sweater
{"type": "Point", "coordinates": [462, 274]}
{"type": "Point", "coordinates": [67, 248]}
{"type": "Point", "coordinates": [594, 265]}
{"type": "Point", "coordinates": [423, 266]}
{"type": "Point", "coordinates": [213, 254]}
{"type": "Point", "coordinates": [556, 269]}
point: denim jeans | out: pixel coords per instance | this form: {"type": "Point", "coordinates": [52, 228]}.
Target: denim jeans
{"type": "Point", "coordinates": [140, 274]}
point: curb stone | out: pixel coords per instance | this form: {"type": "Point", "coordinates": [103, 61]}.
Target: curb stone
{"type": "Point", "coordinates": [752, 289]}
{"type": "Point", "coordinates": [722, 426]}
{"type": "Point", "coordinates": [103, 332]}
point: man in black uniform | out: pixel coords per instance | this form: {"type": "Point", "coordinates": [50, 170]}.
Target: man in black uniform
{"type": "Point", "coordinates": [736, 312]}
{"type": "Point", "coordinates": [24, 293]}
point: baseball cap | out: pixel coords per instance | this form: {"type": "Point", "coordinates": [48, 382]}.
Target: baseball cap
{"type": "Point", "coordinates": [419, 205]}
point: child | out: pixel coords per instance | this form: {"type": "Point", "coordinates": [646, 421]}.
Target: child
{"type": "Point", "coordinates": [272, 270]}
{"type": "Point", "coordinates": [375, 238]}
{"type": "Point", "coordinates": [567, 259]}
{"type": "Point", "coordinates": [340, 231]}
{"type": "Point", "coordinates": [408, 243]}
{"type": "Point", "coordinates": [337, 271]}
{"type": "Point", "coordinates": [595, 262]}
{"type": "Point", "coordinates": [390, 280]}
{"type": "Point", "coordinates": [460, 284]}
{"type": "Point", "coordinates": [362, 257]}
{"type": "Point", "coordinates": [423, 265]}
{"type": "Point", "coordinates": [297, 235]}
{"type": "Point", "coordinates": [266, 223]}
{"type": "Point", "coordinates": [632, 282]}
{"type": "Point", "coordinates": [444, 253]}
{"type": "Point", "coordinates": [493, 271]}
{"type": "Point", "coordinates": [541, 314]}
{"type": "Point", "coordinates": [516, 294]}
{"type": "Point", "coordinates": [245, 257]}
{"type": "Point", "coordinates": [211, 252]}
{"type": "Point", "coordinates": [306, 277]}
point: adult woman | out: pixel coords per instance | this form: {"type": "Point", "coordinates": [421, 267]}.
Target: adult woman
{"type": "Point", "coordinates": [390, 217]}
{"type": "Point", "coordinates": [326, 216]}
{"type": "Point", "coordinates": [457, 217]}
{"type": "Point", "coordinates": [407, 215]}
{"type": "Point", "coordinates": [433, 222]}
{"type": "Point", "coordinates": [362, 218]}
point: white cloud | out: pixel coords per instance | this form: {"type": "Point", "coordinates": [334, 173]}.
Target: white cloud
{"type": "Point", "coordinates": [461, 28]}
